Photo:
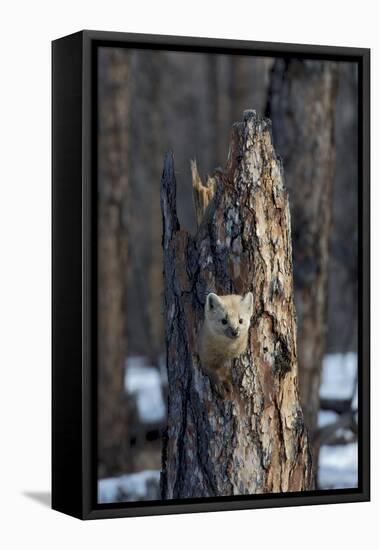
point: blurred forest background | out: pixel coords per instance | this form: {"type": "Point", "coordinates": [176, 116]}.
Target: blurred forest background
{"type": "Point", "coordinates": [150, 102]}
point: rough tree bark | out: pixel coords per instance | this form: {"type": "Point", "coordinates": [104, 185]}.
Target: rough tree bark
{"type": "Point", "coordinates": [257, 442]}
{"type": "Point", "coordinates": [113, 186]}
{"type": "Point", "coordinates": [301, 105]}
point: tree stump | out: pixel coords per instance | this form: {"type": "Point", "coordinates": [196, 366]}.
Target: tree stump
{"type": "Point", "coordinates": [257, 442]}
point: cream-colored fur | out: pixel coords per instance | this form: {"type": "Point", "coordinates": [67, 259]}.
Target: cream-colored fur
{"type": "Point", "coordinates": [224, 335]}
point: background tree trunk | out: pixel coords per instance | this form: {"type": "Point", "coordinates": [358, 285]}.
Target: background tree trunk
{"type": "Point", "coordinates": [145, 274]}
{"type": "Point", "coordinates": [343, 262]}
{"type": "Point", "coordinates": [302, 100]}
{"type": "Point", "coordinates": [257, 442]}
{"type": "Point", "coordinates": [113, 195]}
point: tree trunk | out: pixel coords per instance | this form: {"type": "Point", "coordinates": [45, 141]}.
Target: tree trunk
{"type": "Point", "coordinates": [302, 101]}
{"type": "Point", "coordinates": [145, 325]}
{"type": "Point", "coordinates": [343, 263]}
{"type": "Point", "coordinates": [113, 186]}
{"type": "Point", "coordinates": [257, 442]}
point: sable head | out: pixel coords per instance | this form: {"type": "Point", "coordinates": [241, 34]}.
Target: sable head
{"type": "Point", "coordinates": [229, 316]}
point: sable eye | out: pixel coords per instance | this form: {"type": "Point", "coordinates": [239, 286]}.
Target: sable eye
{"type": "Point", "coordinates": [241, 321]}
{"type": "Point", "coordinates": [224, 321]}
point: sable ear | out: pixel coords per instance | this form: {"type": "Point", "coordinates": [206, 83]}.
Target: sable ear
{"type": "Point", "coordinates": [247, 300]}
{"type": "Point", "coordinates": [213, 301]}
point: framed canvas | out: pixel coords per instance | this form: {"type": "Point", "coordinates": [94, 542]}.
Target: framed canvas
{"type": "Point", "coordinates": [210, 275]}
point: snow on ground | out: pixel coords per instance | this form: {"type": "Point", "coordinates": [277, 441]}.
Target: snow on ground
{"type": "Point", "coordinates": [326, 417]}
{"type": "Point", "coordinates": [338, 464]}
{"type": "Point", "coordinates": [338, 376]}
{"type": "Point", "coordinates": [130, 487]}
{"type": "Point", "coordinates": [144, 382]}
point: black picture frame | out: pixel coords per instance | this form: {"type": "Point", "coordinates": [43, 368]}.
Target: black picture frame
{"type": "Point", "coordinates": [74, 321]}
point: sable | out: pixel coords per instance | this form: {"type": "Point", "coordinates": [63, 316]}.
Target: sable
{"type": "Point", "coordinates": [224, 337]}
